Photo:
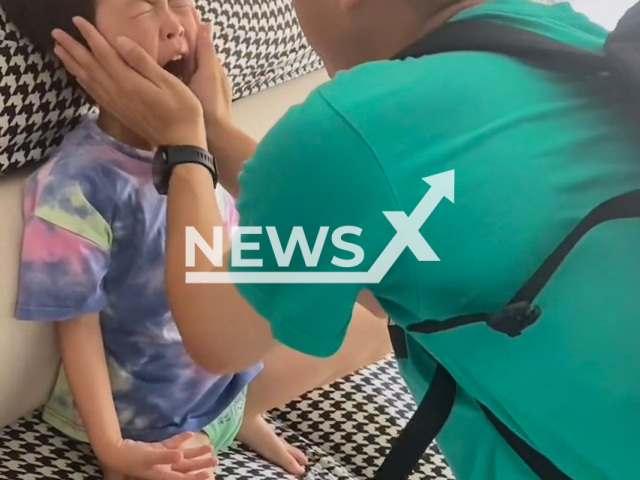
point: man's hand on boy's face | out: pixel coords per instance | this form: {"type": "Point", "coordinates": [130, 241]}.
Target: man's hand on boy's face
{"type": "Point", "coordinates": [127, 82]}
{"type": "Point", "coordinates": [209, 81]}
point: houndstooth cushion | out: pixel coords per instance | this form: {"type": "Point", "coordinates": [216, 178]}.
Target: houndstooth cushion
{"type": "Point", "coordinates": [260, 41]}
{"type": "Point", "coordinates": [345, 430]}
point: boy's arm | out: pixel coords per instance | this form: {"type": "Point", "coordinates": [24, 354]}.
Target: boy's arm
{"type": "Point", "coordinates": [87, 373]}
{"type": "Point", "coordinates": [66, 252]}
{"type": "Point", "coordinates": [85, 366]}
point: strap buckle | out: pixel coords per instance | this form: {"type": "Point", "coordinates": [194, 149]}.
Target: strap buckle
{"type": "Point", "coordinates": [514, 318]}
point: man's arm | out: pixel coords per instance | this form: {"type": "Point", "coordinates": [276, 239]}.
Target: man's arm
{"type": "Point", "coordinates": [299, 176]}
{"type": "Point", "coordinates": [232, 147]}
{"type": "Point", "coordinates": [237, 336]}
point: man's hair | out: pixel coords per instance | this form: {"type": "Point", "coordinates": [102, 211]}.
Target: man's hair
{"type": "Point", "coordinates": [36, 19]}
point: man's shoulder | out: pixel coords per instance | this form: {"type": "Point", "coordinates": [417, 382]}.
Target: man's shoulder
{"type": "Point", "coordinates": [377, 92]}
{"type": "Point", "coordinates": [383, 99]}
{"type": "Point", "coordinates": [439, 78]}
{"type": "Point", "coordinates": [347, 121]}
{"type": "Point", "coordinates": [453, 76]}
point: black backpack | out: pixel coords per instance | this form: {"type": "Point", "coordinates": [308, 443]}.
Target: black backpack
{"type": "Point", "coordinates": [614, 75]}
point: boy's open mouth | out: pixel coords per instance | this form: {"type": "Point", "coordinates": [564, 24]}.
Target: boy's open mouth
{"type": "Point", "coordinates": [177, 67]}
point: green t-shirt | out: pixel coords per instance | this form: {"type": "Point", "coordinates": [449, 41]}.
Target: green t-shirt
{"type": "Point", "coordinates": [532, 156]}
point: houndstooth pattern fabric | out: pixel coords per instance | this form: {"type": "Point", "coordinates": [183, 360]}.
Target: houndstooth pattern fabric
{"type": "Point", "coordinates": [259, 41]}
{"type": "Point", "coordinates": [345, 429]}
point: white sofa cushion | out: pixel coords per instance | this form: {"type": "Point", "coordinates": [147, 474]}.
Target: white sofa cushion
{"type": "Point", "coordinates": [28, 354]}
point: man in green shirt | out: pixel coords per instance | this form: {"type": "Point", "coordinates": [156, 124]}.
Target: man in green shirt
{"type": "Point", "coordinates": [531, 159]}
{"type": "Point", "coordinates": [528, 156]}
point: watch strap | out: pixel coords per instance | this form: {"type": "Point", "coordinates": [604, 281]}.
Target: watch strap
{"type": "Point", "coordinates": [170, 156]}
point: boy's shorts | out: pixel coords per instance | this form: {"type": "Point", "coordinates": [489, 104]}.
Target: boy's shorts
{"type": "Point", "coordinates": [223, 430]}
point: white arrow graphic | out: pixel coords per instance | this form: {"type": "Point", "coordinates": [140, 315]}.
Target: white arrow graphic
{"type": "Point", "coordinates": [407, 235]}
{"type": "Point", "coordinates": [442, 186]}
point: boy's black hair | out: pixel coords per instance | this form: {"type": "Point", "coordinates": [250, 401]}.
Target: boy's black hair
{"type": "Point", "coordinates": [36, 19]}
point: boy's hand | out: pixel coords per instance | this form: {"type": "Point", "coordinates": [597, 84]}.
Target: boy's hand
{"type": "Point", "coordinates": [209, 82]}
{"type": "Point", "coordinates": [162, 460]}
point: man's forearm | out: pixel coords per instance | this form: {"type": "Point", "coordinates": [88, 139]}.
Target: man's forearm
{"type": "Point", "coordinates": [219, 329]}
{"type": "Point", "coordinates": [232, 147]}
{"type": "Point", "coordinates": [191, 203]}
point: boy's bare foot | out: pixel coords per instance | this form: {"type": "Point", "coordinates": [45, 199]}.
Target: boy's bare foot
{"type": "Point", "coordinates": [258, 435]}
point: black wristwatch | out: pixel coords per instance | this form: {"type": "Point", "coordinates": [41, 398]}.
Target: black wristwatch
{"type": "Point", "coordinates": [168, 156]}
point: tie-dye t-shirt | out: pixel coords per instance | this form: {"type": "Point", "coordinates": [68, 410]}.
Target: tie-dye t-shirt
{"type": "Point", "coordinates": [94, 241]}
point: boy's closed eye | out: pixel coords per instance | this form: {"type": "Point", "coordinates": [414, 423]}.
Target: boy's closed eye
{"type": "Point", "coordinates": [147, 6]}
{"type": "Point", "coordinates": [140, 7]}
{"type": "Point", "coordinates": [180, 3]}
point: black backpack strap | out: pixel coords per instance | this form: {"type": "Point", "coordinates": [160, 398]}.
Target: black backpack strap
{"type": "Point", "coordinates": [422, 428]}
{"type": "Point", "coordinates": [512, 320]}
{"type": "Point", "coordinates": [626, 205]}
{"type": "Point", "coordinates": [519, 312]}
{"type": "Point", "coordinates": [398, 341]}
{"type": "Point", "coordinates": [491, 37]}
{"type": "Point", "coordinates": [431, 416]}
{"type": "Point", "coordinates": [538, 463]}
{"type": "Point", "coordinates": [436, 406]}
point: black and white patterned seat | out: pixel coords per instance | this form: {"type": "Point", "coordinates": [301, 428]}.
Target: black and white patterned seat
{"type": "Point", "coordinates": [345, 429]}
